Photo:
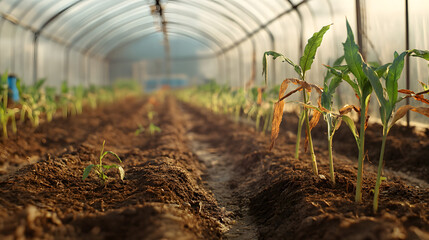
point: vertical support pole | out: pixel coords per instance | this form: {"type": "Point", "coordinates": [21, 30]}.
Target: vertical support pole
{"type": "Point", "coordinates": [240, 66]}
{"type": "Point", "coordinates": [220, 67]}
{"type": "Point", "coordinates": [407, 62]}
{"type": "Point", "coordinates": [35, 56]}
{"type": "Point", "coordinates": [66, 65]}
{"type": "Point", "coordinates": [273, 65]}
{"type": "Point", "coordinates": [227, 68]}
{"type": "Point", "coordinates": [360, 20]}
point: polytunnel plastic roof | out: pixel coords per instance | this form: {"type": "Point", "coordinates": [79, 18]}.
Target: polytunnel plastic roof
{"type": "Point", "coordinates": [97, 27]}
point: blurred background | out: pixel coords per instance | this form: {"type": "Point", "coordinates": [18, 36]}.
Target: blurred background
{"type": "Point", "coordinates": [188, 42]}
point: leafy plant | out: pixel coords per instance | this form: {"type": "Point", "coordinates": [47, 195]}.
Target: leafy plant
{"type": "Point", "coordinates": [305, 63]}
{"type": "Point", "coordinates": [330, 84]}
{"type": "Point", "coordinates": [100, 168]}
{"type": "Point", "coordinates": [362, 88]}
{"type": "Point", "coordinates": [388, 98]}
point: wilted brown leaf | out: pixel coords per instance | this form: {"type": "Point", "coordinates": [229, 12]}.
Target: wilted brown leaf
{"type": "Point", "coordinates": [277, 119]}
{"type": "Point", "coordinates": [348, 108]}
{"type": "Point", "coordinates": [421, 110]}
{"type": "Point", "coordinates": [406, 91]}
{"type": "Point", "coordinates": [260, 91]}
{"type": "Point", "coordinates": [366, 116]}
{"type": "Point", "coordinates": [278, 114]}
{"type": "Point", "coordinates": [315, 119]}
{"type": "Point", "coordinates": [400, 113]}
{"type": "Point", "coordinates": [420, 98]}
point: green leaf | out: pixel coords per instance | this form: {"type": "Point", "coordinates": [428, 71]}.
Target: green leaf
{"type": "Point", "coordinates": [395, 71]}
{"type": "Point", "coordinates": [102, 153]}
{"type": "Point", "coordinates": [351, 124]}
{"type": "Point", "coordinates": [87, 171]}
{"type": "Point", "coordinates": [353, 57]}
{"type": "Point", "coordinates": [329, 91]}
{"type": "Point", "coordinates": [276, 55]}
{"type": "Point", "coordinates": [376, 84]}
{"type": "Point", "coordinates": [419, 53]}
{"type": "Point", "coordinates": [114, 154]}
{"type": "Point", "coordinates": [338, 61]}
{"type": "Point", "coordinates": [39, 83]}
{"type": "Point", "coordinates": [4, 77]}
{"type": "Point", "coordinates": [107, 167]}
{"type": "Point", "coordinates": [311, 48]}
{"type": "Point", "coordinates": [382, 70]}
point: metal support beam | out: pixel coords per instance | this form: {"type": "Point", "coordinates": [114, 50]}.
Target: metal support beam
{"type": "Point", "coordinates": [360, 21]}
{"type": "Point", "coordinates": [407, 62]}
{"type": "Point", "coordinates": [39, 31]}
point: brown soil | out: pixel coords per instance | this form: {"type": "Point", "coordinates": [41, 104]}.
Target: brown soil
{"type": "Point", "coordinates": [203, 177]}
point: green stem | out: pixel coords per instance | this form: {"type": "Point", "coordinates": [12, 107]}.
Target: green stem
{"type": "Point", "coordinates": [358, 196]}
{"type": "Point", "coordinates": [4, 124]}
{"type": "Point", "coordinates": [298, 135]}
{"type": "Point", "coordinates": [310, 140]}
{"type": "Point", "coordinates": [14, 129]}
{"type": "Point", "coordinates": [379, 172]}
{"type": "Point", "coordinates": [331, 159]}
{"type": "Point", "coordinates": [258, 120]}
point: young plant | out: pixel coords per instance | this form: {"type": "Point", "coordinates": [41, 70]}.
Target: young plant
{"type": "Point", "coordinates": [101, 168]}
{"type": "Point", "coordinates": [305, 63]}
{"type": "Point", "coordinates": [50, 106]}
{"type": "Point", "coordinates": [152, 127]}
{"type": "Point", "coordinates": [333, 121]}
{"type": "Point", "coordinates": [387, 98]}
{"type": "Point", "coordinates": [3, 108]}
{"type": "Point", "coordinates": [139, 130]}
{"type": "Point", "coordinates": [362, 88]}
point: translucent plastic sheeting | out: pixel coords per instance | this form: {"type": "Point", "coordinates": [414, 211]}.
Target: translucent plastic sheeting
{"type": "Point", "coordinates": [79, 39]}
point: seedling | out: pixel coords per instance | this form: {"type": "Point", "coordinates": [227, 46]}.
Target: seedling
{"type": "Point", "coordinates": [387, 98]}
{"type": "Point", "coordinates": [152, 127]}
{"type": "Point", "coordinates": [139, 130]}
{"type": "Point", "coordinates": [304, 65]}
{"type": "Point", "coordinates": [101, 168]}
{"type": "Point", "coordinates": [362, 88]}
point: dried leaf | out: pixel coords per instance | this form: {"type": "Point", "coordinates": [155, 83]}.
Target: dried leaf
{"type": "Point", "coordinates": [315, 119]}
{"type": "Point", "coordinates": [259, 100]}
{"type": "Point", "coordinates": [406, 91]}
{"type": "Point", "coordinates": [348, 108]}
{"type": "Point", "coordinates": [400, 113]}
{"type": "Point", "coordinates": [420, 98]}
{"type": "Point", "coordinates": [421, 110]}
{"type": "Point", "coordinates": [278, 113]}
{"type": "Point", "coordinates": [366, 116]}
{"type": "Point", "coordinates": [277, 119]}
{"type": "Point", "coordinates": [283, 87]}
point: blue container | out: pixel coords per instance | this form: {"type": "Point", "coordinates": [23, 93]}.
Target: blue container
{"type": "Point", "coordinates": [13, 90]}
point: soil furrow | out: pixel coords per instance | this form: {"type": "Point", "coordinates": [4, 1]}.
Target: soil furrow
{"type": "Point", "coordinates": [220, 178]}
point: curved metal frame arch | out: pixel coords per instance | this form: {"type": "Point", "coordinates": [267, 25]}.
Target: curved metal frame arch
{"type": "Point", "coordinates": [103, 35]}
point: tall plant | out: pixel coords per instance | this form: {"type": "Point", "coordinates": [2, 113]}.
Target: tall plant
{"type": "Point", "coordinates": [388, 98]}
{"type": "Point", "coordinates": [305, 63]}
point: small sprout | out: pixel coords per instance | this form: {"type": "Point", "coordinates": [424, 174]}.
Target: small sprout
{"type": "Point", "coordinates": [100, 168]}
{"type": "Point", "coordinates": [153, 129]}
{"type": "Point", "coordinates": [139, 130]}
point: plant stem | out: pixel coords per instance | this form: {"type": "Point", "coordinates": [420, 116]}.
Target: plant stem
{"type": "Point", "coordinates": [380, 171]}
{"type": "Point", "coordinates": [298, 135]}
{"type": "Point", "coordinates": [358, 196]}
{"type": "Point", "coordinates": [14, 129]}
{"type": "Point", "coordinates": [331, 159]}
{"type": "Point", "coordinates": [310, 140]}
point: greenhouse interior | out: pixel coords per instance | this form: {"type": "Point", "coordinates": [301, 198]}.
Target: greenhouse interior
{"type": "Point", "coordinates": [214, 119]}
